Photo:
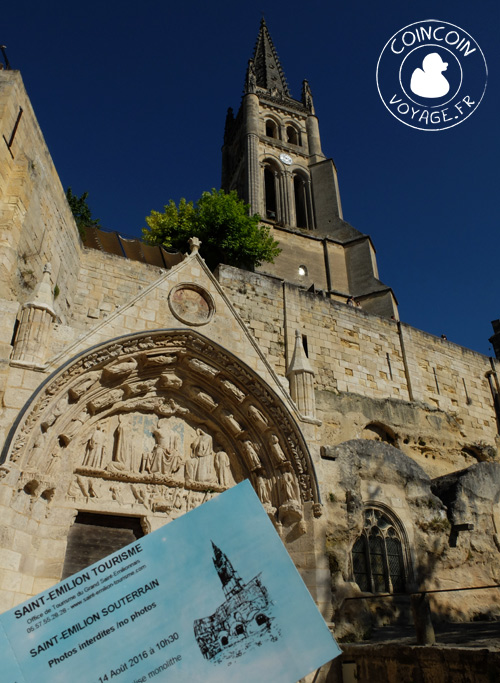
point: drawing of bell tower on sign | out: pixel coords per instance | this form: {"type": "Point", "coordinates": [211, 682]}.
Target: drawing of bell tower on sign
{"type": "Point", "coordinates": [231, 582]}
{"type": "Point", "coordinates": [244, 620]}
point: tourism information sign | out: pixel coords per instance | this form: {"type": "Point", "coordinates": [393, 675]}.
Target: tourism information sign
{"type": "Point", "coordinates": [213, 596]}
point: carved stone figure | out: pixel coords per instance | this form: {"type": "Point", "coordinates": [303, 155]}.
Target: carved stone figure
{"type": "Point", "coordinates": [74, 426]}
{"type": "Point", "coordinates": [203, 368]}
{"type": "Point", "coordinates": [105, 400]}
{"type": "Point", "coordinates": [172, 458]}
{"type": "Point", "coordinates": [232, 390]}
{"type": "Point", "coordinates": [154, 464]}
{"type": "Point", "coordinates": [277, 455]}
{"type": "Point", "coordinates": [233, 425]}
{"type": "Point", "coordinates": [93, 489]}
{"type": "Point", "coordinates": [80, 389]}
{"type": "Point", "coordinates": [36, 456]}
{"type": "Point", "coordinates": [82, 486]}
{"type": "Point", "coordinates": [223, 468]}
{"type": "Point", "coordinates": [289, 488]}
{"type": "Point", "coordinates": [252, 459]}
{"type": "Point", "coordinates": [251, 81]}
{"type": "Point", "coordinates": [165, 458]}
{"type": "Point", "coordinates": [117, 370]}
{"type": "Point", "coordinates": [140, 495]}
{"type": "Point", "coordinates": [138, 388]}
{"type": "Point", "coordinates": [202, 451]}
{"type": "Point", "coordinates": [74, 489]}
{"type": "Point", "coordinates": [257, 417]}
{"type": "Point", "coordinates": [178, 500]}
{"type": "Point", "coordinates": [190, 469]}
{"type": "Point", "coordinates": [158, 360]}
{"type": "Point", "coordinates": [202, 397]}
{"type": "Point", "coordinates": [96, 449]}
{"type": "Point", "coordinates": [193, 499]}
{"type": "Point", "coordinates": [60, 407]}
{"type": "Point", "coordinates": [54, 464]}
{"type": "Point", "coordinates": [116, 494]}
{"type": "Point", "coordinates": [169, 380]}
{"type": "Point", "coordinates": [122, 456]}
{"type": "Point", "coordinates": [171, 407]}
{"type": "Point", "coordinates": [144, 403]}
{"type": "Point", "coordinates": [262, 486]}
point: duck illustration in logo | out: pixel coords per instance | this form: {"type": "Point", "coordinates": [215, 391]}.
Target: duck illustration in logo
{"type": "Point", "coordinates": [429, 81]}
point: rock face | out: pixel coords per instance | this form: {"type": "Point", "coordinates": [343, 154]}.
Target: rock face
{"type": "Point", "coordinates": [448, 528]}
{"type": "Point", "coordinates": [382, 494]}
{"type": "Point", "coordinates": [472, 498]}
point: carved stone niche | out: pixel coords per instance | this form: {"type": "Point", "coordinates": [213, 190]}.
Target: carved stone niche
{"type": "Point", "coordinates": [119, 370]}
{"type": "Point", "coordinates": [169, 380]}
{"type": "Point", "coordinates": [158, 360]}
{"type": "Point", "coordinates": [169, 412]}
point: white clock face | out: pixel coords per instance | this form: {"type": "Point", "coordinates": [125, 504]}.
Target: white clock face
{"type": "Point", "coordinates": [286, 159]}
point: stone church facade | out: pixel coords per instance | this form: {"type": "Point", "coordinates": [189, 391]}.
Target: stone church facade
{"type": "Point", "coordinates": [134, 389]}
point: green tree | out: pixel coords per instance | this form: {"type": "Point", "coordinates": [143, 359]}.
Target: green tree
{"type": "Point", "coordinates": [81, 211]}
{"type": "Point", "coordinates": [222, 222]}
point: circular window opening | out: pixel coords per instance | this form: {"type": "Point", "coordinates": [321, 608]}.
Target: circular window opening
{"type": "Point", "coordinates": [302, 271]}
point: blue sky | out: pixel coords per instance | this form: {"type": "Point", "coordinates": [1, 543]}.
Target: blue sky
{"type": "Point", "coordinates": [132, 99]}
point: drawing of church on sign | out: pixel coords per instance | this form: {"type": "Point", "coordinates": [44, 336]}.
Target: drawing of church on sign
{"type": "Point", "coordinates": [242, 622]}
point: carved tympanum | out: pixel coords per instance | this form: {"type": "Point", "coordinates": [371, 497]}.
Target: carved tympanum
{"type": "Point", "coordinates": [161, 422]}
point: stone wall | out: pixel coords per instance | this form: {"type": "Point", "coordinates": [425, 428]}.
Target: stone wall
{"type": "Point", "coordinates": [36, 223]}
{"type": "Point", "coordinates": [396, 662]}
{"type": "Point", "coordinates": [391, 365]}
{"type": "Point", "coordinates": [106, 282]}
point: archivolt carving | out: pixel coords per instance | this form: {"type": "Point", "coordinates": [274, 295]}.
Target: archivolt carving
{"type": "Point", "coordinates": [141, 421]}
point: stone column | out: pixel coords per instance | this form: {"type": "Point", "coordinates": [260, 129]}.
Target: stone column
{"type": "Point", "coordinates": [279, 197]}
{"type": "Point", "coordinates": [311, 223]}
{"type": "Point", "coordinates": [313, 138]}
{"type": "Point", "coordinates": [290, 218]}
{"type": "Point", "coordinates": [37, 316]}
{"type": "Point", "coordinates": [251, 125]}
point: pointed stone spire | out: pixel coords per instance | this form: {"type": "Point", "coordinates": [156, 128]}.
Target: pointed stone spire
{"type": "Point", "coordinates": [301, 377]}
{"type": "Point", "coordinates": [266, 63]}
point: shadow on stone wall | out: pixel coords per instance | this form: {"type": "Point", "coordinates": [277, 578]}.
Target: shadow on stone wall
{"type": "Point", "coordinates": [448, 528]}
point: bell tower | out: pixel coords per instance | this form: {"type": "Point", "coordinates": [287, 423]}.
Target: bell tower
{"type": "Point", "coordinates": [272, 150]}
{"type": "Point", "coordinates": [272, 157]}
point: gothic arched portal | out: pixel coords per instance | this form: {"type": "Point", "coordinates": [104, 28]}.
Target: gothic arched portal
{"type": "Point", "coordinates": [159, 422]}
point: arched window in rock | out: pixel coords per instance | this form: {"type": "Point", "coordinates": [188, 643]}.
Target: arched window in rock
{"type": "Point", "coordinates": [378, 555]}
